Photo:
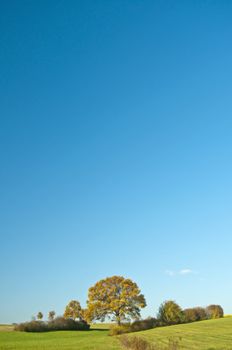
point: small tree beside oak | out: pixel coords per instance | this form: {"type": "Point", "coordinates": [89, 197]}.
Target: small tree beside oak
{"type": "Point", "coordinates": [73, 310]}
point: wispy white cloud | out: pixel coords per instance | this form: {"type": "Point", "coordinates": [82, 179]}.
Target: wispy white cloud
{"type": "Point", "coordinates": [186, 272]}
{"type": "Point", "coordinates": [182, 272]}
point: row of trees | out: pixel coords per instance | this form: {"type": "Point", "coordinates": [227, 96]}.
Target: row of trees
{"type": "Point", "coordinates": [51, 316]}
{"type": "Point", "coordinates": [171, 313]}
{"type": "Point", "coordinates": [116, 297]}
{"type": "Point", "coordinates": [120, 300]}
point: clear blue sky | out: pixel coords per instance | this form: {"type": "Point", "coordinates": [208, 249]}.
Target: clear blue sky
{"type": "Point", "coordinates": [115, 151]}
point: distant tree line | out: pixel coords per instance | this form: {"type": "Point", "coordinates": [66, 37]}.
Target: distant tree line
{"type": "Point", "coordinates": [120, 300]}
{"type": "Point", "coordinates": [170, 313]}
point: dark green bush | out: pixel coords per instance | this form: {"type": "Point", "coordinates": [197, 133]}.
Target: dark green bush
{"type": "Point", "coordinates": [32, 326]}
{"type": "Point", "coordinates": [61, 323]}
{"type": "Point", "coordinates": [214, 311]}
{"type": "Point", "coordinates": [195, 314]}
{"type": "Point", "coordinates": [142, 325]}
{"type": "Point", "coordinates": [136, 326]}
{"type": "Point", "coordinates": [58, 324]}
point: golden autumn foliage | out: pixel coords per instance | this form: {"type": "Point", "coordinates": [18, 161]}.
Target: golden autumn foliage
{"type": "Point", "coordinates": [73, 310]}
{"type": "Point", "coordinates": [85, 315]}
{"type": "Point", "coordinates": [116, 297]}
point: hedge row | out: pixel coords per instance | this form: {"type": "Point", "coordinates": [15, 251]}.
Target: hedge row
{"type": "Point", "coordinates": [58, 324]}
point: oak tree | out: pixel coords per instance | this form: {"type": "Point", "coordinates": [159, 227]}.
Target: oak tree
{"type": "Point", "coordinates": [115, 297]}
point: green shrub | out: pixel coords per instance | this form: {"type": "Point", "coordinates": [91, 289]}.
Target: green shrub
{"type": "Point", "coordinates": [122, 329]}
{"type": "Point", "coordinates": [58, 324]}
{"type": "Point", "coordinates": [170, 313]}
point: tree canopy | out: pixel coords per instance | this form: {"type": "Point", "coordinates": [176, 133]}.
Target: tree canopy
{"type": "Point", "coordinates": [39, 315]}
{"type": "Point", "coordinates": [51, 315]}
{"type": "Point", "coordinates": [115, 297]}
{"type": "Point", "coordinates": [195, 314]}
{"type": "Point", "coordinates": [73, 310]}
{"type": "Point", "coordinates": [170, 313]}
{"type": "Point", "coordinates": [214, 311]}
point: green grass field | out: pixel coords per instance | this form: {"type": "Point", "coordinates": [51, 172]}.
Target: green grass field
{"type": "Point", "coordinates": [213, 334]}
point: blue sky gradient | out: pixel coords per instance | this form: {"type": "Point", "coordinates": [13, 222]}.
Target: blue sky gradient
{"type": "Point", "coordinates": [115, 151]}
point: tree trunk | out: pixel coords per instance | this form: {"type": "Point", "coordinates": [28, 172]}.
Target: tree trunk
{"type": "Point", "coordinates": [118, 320]}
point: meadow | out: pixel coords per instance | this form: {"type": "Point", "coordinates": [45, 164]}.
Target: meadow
{"type": "Point", "coordinates": [204, 335]}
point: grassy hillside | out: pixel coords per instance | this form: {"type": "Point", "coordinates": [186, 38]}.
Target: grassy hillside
{"type": "Point", "coordinates": [214, 334]}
